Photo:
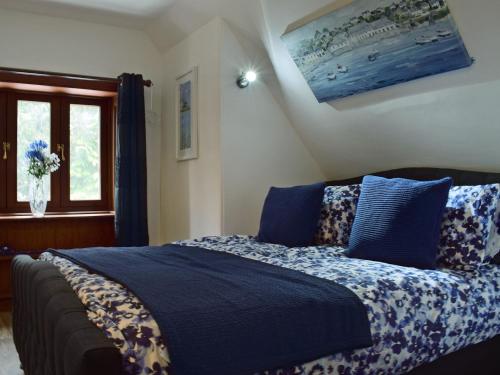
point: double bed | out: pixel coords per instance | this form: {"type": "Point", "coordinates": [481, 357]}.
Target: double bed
{"type": "Point", "coordinates": [68, 320]}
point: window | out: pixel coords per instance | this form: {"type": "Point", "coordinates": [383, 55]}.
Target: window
{"type": "Point", "coordinates": [33, 122]}
{"type": "Point", "coordinates": [79, 129]}
{"type": "Point", "coordinates": [85, 155]}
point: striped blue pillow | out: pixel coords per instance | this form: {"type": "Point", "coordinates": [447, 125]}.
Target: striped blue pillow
{"type": "Point", "coordinates": [398, 221]}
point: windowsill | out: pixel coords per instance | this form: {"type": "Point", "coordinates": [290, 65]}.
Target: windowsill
{"type": "Point", "coordinates": [58, 215]}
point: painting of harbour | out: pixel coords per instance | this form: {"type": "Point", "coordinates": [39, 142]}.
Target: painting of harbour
{"type": "Point", "coordinates": [370, 44]}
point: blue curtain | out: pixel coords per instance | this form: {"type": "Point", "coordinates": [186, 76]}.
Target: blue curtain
{"type": "Point", "coordinates": [131, 222]}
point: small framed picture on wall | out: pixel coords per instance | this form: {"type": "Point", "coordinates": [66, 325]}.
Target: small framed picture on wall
{"type": "Point", "coordinates": [186, 115]}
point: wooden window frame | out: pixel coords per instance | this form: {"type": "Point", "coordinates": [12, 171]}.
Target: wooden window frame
{"type": "Point", "coordinates": [12, 99]}
{"type": "Point", "coordinates": [106, 149]}
{"type": "Point", "coordinates": [38, 81]}
{"type": "Point", "coordinates": [60, 183]}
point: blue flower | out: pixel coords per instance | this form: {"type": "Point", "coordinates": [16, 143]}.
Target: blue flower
{"type": "Point", "coordinates": [35, 150]}
{"type": "Point", "coordinates": [34, 154]}
{"type": "Point", "coordinates": [38, 145]}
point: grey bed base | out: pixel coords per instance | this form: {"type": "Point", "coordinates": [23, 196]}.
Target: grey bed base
{"type": "Point", "coordinates": [51, 331]}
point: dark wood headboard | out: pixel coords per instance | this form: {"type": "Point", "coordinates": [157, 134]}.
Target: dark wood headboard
{"type": "Point", "coordinates": [459, 177]}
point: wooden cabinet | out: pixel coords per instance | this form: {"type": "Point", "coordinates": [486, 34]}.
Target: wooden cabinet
{"type": "Point", "coordinates": [26, 234]}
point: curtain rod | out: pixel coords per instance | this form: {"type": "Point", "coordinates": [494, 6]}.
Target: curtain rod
{"type": "Point", "coordinates": [147, 83]}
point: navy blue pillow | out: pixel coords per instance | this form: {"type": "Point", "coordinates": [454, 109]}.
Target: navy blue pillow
{"type": "Point", "coordinates": [290, 215]}
{"type": "Point", "coordinates": [398, 221]}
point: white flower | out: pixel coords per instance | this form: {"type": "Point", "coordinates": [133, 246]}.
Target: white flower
{"type": "Point", "coordinates": [53, 162]}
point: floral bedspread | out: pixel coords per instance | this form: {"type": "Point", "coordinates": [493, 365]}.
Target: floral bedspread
{"type": "Point", "coordinates": [416, 315]}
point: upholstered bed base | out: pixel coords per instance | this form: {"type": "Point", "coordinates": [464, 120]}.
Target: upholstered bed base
{"type": "Point", "coordinates": [51, 331]}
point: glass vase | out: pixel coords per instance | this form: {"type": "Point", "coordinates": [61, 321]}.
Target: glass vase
{"type": "Point", "coordinates": [39, 194]}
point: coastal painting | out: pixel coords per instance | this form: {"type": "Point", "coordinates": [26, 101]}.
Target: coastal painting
{"type": "Point", "coordinates": [370, 44]}
{"type": "Point", "coordinates": [186, 116]}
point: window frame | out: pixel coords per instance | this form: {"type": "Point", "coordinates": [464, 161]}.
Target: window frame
{"type": "Point", "coordinates": [13, 205]}
{"type": "Point", "coordinates": [60, 182]}
{"type": "Point", "coordinates": [105, 203]}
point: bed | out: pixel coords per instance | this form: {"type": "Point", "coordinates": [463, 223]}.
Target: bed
{"type": "Point", "coordinates": [455, 328]}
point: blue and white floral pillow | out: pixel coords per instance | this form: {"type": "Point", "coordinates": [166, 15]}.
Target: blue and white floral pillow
{"type": "Point", "coordinates": [470, 234]}
{"type": "Point", "coordinates": [337, 215]}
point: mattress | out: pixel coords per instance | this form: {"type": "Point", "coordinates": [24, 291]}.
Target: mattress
{"type": "Point", "coordinates": [416, 316]}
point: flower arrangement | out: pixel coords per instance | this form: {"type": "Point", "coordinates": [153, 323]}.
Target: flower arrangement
{"type": "Point", "coordinates": [41, 163]}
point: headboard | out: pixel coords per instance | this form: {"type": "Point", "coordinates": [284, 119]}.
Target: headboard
{"type": "Point", "coordinates": [459, 177]}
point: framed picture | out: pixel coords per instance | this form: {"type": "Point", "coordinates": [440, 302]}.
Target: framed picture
{"type": "Point", "coordinates": [355, 46]}
{"type": "Point", "coordinates": [186, 115]}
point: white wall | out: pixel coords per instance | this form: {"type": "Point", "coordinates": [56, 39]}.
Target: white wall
{"type": "Point", "coordinates": [38, 42]}
{"type": "Point", "coordinates": [192, 204]}
{"type": "Point", "coordinates": [259, 146]}
{"type": "Point", "coordinates": [246, 143]}
{"type": "Point", "coordinates": [450, 120]}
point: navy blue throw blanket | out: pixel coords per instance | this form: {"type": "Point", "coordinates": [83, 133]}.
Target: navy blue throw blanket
{"type": "Point", "coordinates": [223, 314]}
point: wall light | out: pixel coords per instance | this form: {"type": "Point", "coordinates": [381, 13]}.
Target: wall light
{"type": "Point", "coordinates": [246, 78]}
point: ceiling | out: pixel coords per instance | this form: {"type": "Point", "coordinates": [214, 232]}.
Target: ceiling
{"type": "Point", "coordinates": [166, 21]}
{"type": "Point", "coordinates": [127, 13]}
{"type": "Point", "coordinates": [185, 16]}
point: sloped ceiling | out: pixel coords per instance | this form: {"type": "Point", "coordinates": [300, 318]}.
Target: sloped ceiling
{"type": "Point", "coordinates": [185, 16]}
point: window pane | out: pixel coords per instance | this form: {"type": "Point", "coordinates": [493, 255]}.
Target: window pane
{"type": "Point", "coordinates": [85, 152]}
{"type": "Point", "coordinates": [33, 123]}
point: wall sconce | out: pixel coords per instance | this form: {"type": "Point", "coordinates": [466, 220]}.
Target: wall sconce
{"type": "Point", "coordinates": [246, 78]}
